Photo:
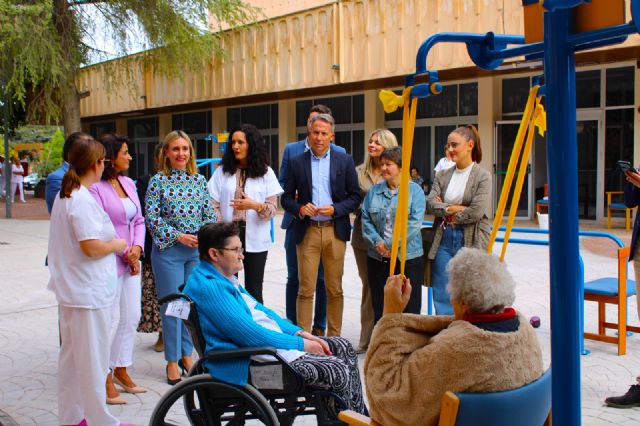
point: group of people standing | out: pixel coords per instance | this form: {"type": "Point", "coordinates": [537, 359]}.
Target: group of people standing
{"type": "Point", "coordinates": [16, 175]}
{"type": "Point", "coordinates": [113, 242]}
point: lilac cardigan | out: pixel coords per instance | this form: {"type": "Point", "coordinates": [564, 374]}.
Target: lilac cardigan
{"type": "Point", "coordinates": [109, 200]}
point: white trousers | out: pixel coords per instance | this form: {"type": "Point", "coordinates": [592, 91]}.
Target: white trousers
{"type": "Point", "coordinates": [15, 185]}
{"type": "Point", "coordinates": [83, 365]}
{"type": "Point", "coordinates": [125, 316]}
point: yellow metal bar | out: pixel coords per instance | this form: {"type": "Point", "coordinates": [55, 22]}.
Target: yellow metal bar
{"type": "Point", "coordinates": [513, 162]}
{"type": "Point", "coordinates": [522, 173]}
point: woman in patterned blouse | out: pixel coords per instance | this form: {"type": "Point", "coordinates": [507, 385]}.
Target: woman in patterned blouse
{"type": "Point", "coordinates": [245, 190]}
{"type": "Point", "coordinates": [177, 205]}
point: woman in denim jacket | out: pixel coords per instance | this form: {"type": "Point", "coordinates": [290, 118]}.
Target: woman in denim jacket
{"type": "Point", "coordinates": [378, 216]}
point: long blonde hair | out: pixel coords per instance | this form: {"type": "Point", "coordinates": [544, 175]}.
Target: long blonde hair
{"type": "Point", "coordinates": [165, 165]}
{"type": "Point", "coordinates": [387, 140]}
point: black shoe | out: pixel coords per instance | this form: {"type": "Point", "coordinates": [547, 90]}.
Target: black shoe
{"type": "Point", "coordinates": [172, 382]}
{"type": "Point", "coordinates": [628, 400]}
{"type": "Point", "coordinates": [317, 331]}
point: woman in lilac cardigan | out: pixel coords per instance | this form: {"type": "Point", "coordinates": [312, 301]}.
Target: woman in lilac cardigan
{"type": "Point", "coordinates": [118, 197]}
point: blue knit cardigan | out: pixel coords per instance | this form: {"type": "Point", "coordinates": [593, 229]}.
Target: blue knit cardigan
{"type": "Point", "coordinates": [227, 323]}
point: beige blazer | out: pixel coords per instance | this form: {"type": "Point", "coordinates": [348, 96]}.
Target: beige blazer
{"type": "Point", "coordinates": [477, 194]}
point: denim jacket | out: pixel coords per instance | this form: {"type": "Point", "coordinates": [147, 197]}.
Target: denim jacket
{"type": "Point", "coordinates": [374, 217]}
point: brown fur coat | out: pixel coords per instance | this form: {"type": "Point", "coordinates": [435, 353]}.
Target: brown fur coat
{"type": "Point", "coordinates": [413, 359]}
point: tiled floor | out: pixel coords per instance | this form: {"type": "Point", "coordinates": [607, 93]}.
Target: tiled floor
{"type": "Point", "coordinates": [29, 335]}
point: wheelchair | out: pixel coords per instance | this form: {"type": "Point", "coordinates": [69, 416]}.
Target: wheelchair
{"type": "Point", "coordinates": [275, 394]}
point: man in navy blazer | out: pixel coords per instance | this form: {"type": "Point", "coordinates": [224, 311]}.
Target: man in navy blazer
{"type": "Point", "coordinates": [321, 190]}
{"type": "Point", "coordinates": [292, 150]}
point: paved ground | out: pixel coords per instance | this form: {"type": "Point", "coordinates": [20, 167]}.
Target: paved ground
{"type": "Point", "coordinates": [29, 337]}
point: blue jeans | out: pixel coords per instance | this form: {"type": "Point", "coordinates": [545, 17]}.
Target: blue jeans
{"type": "Point", "coordinates": [320, 313]}
{"type": "Point", "coordinates": [171, 268]}
{"type": "Point", "coordinates": [452, 241]}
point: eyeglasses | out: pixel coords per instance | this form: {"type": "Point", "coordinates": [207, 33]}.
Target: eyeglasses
{"type": "Point", "coordinates": [238, 250]}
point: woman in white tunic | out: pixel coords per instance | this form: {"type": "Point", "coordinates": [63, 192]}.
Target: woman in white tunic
{"type": "Point", "coordinates": [82, 263]}
{"type": "Point", "coordinates": [245, 191]}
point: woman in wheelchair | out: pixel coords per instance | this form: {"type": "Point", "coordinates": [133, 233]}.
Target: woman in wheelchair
{"type": "Point", "coordinates": [486, 347]}
{"type": "Point", "coordinates": [230, 318]}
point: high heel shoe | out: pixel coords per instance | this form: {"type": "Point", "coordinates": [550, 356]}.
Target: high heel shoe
{"type": "Point", "coordinates": [125, 377]}
{"type": "Point", "coordinates": [115, 399]}
{"type": "Point", "coordinates": [182, 368]}
{"type": "Point", "coordinates": [172, 381]}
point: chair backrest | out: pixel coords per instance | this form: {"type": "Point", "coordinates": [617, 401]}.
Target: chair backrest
{"type": "Point", "coordinates": [546, 189]}
{"type": "Point", "coordinates": [528, 405]}
{"type": "Point", "coordinates": [193, 325]}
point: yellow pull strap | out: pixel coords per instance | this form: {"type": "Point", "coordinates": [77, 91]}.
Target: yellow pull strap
{"type": "Point", "coordinates": [513, 162]}
{"type": "Point", "coordinates": [538, 120]}
{"type": "Point", "coordinates": [400, 225]}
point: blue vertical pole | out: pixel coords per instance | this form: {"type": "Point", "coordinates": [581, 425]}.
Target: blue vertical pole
{"type": "Point", "coordinates": [559, 73]}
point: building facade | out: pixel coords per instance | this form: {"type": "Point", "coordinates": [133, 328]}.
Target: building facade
{"type": "Point", "coordinates": [341, 53]}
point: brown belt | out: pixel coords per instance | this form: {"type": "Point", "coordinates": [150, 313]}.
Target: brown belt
{"type": "Point", "coordinates": [321, 223]}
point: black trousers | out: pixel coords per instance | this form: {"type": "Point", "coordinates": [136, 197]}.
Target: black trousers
{"type": "Point", "coordinates": [253, 267]}
{"type": "Point", "coordinates": [378, 272]}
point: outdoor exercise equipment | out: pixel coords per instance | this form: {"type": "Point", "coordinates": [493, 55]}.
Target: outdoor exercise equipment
{"type": "Point", "coordinates": [554, 31]}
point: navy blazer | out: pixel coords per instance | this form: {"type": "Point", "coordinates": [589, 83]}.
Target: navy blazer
{"type": "Point", "coordinates": [292, 150]}
{"type": "Point", "coordinates": [345, 192]}
{"type": "Point", "coordinates": [631, 200]}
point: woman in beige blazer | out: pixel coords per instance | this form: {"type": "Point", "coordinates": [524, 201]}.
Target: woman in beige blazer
{"type": "Point", "coordinates": [458, 200]}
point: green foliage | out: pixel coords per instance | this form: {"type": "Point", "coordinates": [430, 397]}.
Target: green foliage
{"type": "Point", "coordinates": [44, 43]}
{"type": "Point", "coordinates": [51, 157]}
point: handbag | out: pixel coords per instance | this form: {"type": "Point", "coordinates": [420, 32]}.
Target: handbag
{"type": "Point", "coordinates": [428, 233]}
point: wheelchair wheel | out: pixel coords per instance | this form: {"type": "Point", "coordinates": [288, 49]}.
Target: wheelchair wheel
{"type": "Point", "coordinates": [207, 401]}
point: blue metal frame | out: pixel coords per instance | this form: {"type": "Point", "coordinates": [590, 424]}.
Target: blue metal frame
{"type": "Point", "coordinates": [558, 49]}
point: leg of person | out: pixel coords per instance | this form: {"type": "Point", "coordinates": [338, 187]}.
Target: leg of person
{"type": "Point", "coordinates": [14, 185]}
{"type": "Point", "coordinates": [168, 270]}
{"type": "Point", "coordinates": [88, 337]}
{"type": "Point", "coordinates": [414, 270]}
{"type": "Point", "coordinates": [333, 249]}
{"type": "Point", "coordinates": [440, 277]}
{"type": "Point", "coordinates": [291, 291]}
{"type": "Point", "coordinates": [636, 269]}
{"type": "Point", "coordinates": [254, 264]}
{"type": "Point", "coordinates": [320, 312]}
{"type": "Point", "coordinates": [366, 308]}
{"type": "Point", "coordinates": [113, 396]}
{"type": "Point", "coordinates": [21, 189]}
{"type": "Point", "coordinates": [70, 408]}
{"type": "Point", "coordinates": [192, 260]}
{"type": "Point", "coordinates": [309, 253]}
{"type": "Point", "coordinates": [378, 271]}
{"type": "Point", "coordinates": [339, 371]}
{"type": "Point", "coordinates": [122, 347]}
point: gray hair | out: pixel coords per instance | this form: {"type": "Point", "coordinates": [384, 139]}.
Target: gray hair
{"type": "Point", "coordinates": [480, 281]}
{"type": "Point", "coordinates": [327, 118]}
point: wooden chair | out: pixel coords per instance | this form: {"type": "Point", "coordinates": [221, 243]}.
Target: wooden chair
{"type": "Point", "coordinates": [614, 291]}
{"type": "Point", "coordinates": [543, 203]}
{"type": "Point", "coordinates": [529, 405]}
{"type": "Point", "coordinates": [617, 206]}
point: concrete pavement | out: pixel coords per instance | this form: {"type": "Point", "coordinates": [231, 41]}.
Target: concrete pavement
{"type": "Point", "coordinates": [29, 335]}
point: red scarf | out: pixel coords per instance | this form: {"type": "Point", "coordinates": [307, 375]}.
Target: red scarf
{"type": "Point", "coordinates": [506, 314]}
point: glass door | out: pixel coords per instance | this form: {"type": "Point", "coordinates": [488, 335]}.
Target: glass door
{"type": "Point", "coordinates": [587, 136]}
{"type": "Point", "coordinates": [504, 140]}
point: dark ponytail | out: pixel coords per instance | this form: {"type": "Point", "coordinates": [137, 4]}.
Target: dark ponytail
{"type": "Point", "coordinates": [83, 155]}
{"type": "Point", "coordinates": [470, 133]}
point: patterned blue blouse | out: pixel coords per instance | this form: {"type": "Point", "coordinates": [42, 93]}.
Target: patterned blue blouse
{"type": "Point", "coordinates": [177, 204]}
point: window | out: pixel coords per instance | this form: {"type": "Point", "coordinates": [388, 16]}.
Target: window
{"type": "Point", "coordinates": [265, 118]}
{"type": "Point", "coordinates": [436, 117]}
{"type": "Point", "coordinates": [588, 89]}
{"type": "Point", "coordinates": [348, 112]}
{"type": "Point", "coordinates": [515, 92]}
{"type": "Point", "coordinates": [99, 129]}
{"type": "Point", "coordinates": [143, 135]}
{"type": "Point", "coordinates": [619, 86]}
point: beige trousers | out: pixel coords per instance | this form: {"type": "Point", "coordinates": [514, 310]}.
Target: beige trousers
{"type": "Point", "coordinates": [366, 307]}
{"type": "Point", "coordinates": [321, 244]}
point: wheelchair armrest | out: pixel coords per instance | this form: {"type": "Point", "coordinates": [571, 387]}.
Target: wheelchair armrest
{"type": "Point", "coordinates": [174, 296]}
{"type": "Point", "coordinates": [355, 419]}
{"type": "Point", "coordinates": [240, 353]}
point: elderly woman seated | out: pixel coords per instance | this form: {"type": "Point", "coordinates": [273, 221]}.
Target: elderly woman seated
{"type": "Point", "coordinates": [230, 318]}
{"type": "Point", "coordinates": [487, 346]}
